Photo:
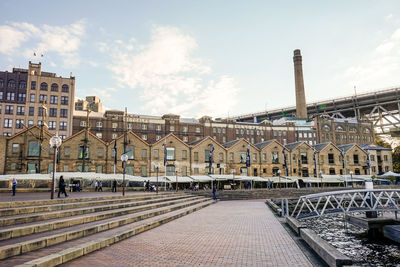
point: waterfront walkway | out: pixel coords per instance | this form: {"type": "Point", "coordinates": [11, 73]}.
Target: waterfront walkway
{"type": "Point", "coordinates": [228, 233]}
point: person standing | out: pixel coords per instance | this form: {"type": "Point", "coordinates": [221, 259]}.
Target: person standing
{"type": "Point", "coordinates": [114, 186]}
{"type": "Point", "coordinates": [144, 186]}
{"type": "Point", "coordinates": [96, 186]}
{"type": "Point", "coordinates": [148, 186]}
{"type": "Point", "coordinates": [214, 193]}
{"type": "Point", "coordinates": [100, 186]}
{"type": "Point", "coordinates": [14, 186]}
{"type": "Point", "coordinates": [61, 187]}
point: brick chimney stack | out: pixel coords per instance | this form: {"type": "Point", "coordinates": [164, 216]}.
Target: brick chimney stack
{"type": "Point", "coordinates": [301, 106]}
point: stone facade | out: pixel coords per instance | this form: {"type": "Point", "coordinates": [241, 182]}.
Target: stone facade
{"type": "Point", "coordinates": [84, 151]}
{"type": "Point", "coordinates": [380, 159]}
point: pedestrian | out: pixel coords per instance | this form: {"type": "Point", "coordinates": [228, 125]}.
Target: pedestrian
{"type": "Point", "coordinates": [214, 193]}
{"type": "Point", "coordinates": [61, 187]}
{"type": "Point", "coordinates": [148, 186]}
{"type": "Point", "coordinates": [14, 186]}
{"type": "Point", "coordinates": [144, 186]}
{"type": "Point", "coordinates": [269, 183]}
{"type": "Point", "coordinates": [77, 187]}
{"type": "Point", "coordinates": [96, 185]}
{"type": "Point", "coordinates": [100, 186]}
{"type": "Point", "coordinates": [114, 186]}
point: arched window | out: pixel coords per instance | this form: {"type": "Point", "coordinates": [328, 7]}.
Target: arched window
{"type": "Point", "coordinates": [326, 128]}
{"type": "Point", "coordinates": [22, 85]}
{"type": "Point", "coordinates": [12, 84]}
{"type": "Point", "coordinates": [54, 87]}
{"type": "Point", "coordinates": [65, 88]}
{"type": "Point", "coordinates": [43, 86]}
{"type": "Point", "coordinates": [353, 130]}
{"type": "Point", "coordinates": [339, 128]}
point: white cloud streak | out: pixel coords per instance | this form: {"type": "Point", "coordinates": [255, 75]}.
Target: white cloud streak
{"type": "Point", "coordinates": [64, 41]}
{"type": "Point", "coordinates": [168, 77]}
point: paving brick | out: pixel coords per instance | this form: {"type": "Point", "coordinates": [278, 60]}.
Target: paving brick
{"type": "Point", "coordinates": [231, 233]}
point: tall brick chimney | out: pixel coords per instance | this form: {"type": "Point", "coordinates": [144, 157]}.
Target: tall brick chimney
{"type": "Point", "coordinates": [301, 106]}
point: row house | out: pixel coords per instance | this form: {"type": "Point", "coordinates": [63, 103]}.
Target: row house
{"type": "Point", "coordinates": [29, 152]}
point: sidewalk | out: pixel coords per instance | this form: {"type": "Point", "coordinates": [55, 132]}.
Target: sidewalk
{"type": "Point", "coordinates": [229, 233]}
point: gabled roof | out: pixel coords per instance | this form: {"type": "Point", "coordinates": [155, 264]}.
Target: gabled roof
{"type": "Point", "coordinates": [231, 143]}
{"type": "Point", "coordinates": [130, 132]}
{"type": "Point", "coordinates": [165, 137]}
{"type": "Point", "coordinates": [346, 147]}
{"type": "Point", "coordinates": [374, 147]}
{"type": "Point", "coordinates": [200, 141]}
{"type": "Point", "coordinates": [261, 145]}
{"type": "Point", "coordinates": [29, 129]}
{"type": "Point", "coordinates": [321, 146]}
{"type": "Point", "coordinates": [81, 131]}
{"type": "Point", "coordinates": [293, 145]}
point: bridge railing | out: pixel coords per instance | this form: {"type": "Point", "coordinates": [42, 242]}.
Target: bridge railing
{"type": "Point", "coordinates": [315, 205]}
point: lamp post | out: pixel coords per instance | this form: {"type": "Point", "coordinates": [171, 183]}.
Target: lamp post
{"type": "Point", "coordinates": [124, 159]}
{"type": "Point", "coordinates": [320, 176]}
{"type": "Point", "coordinates": [157, 177]}
{"type": "Point", "coordinates": [55, 142]}
{"type": "Point", "coordinates": [233, 177]}
{"type": "Point", "coordinates": [176, 175]}
{"type": "Point", "coordinates": [351, 178]}
{"type": "Point", "coordinates": [279, 174]}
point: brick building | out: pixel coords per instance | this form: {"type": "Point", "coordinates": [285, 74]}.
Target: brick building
{"type": "Point", "coordinates": [32, 97]}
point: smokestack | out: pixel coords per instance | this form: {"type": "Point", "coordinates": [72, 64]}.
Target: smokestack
{"type": "Point", "coordinates": [301, 107]}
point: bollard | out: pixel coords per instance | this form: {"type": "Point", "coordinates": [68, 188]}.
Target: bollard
{"type": "Point", "coordinates": [287, 207]}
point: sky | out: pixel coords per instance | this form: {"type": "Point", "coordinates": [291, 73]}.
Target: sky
{"type": "Point", "coordinates": [217, 58]}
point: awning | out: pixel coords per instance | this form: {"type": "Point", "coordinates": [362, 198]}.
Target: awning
{"type": "Point", "coordinates": [389, 174]}
{"type": "Point", "coordinates": [181, 179]}
{"type": "Point", "coordinates": [202, 178]}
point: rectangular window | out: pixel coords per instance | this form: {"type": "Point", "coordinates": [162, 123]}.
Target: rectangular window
{"type": "Point", "coordinates": [170, 153]}
{"type": "Point", "coordinates": [144, 171]}
{"type": "Point", "coordinates": [170, 170]}
{"type": "Point", "coordinates": [114, 125]}
{"type": "Point", "coordinates": [184, 129]}
{"type": "Point", "coordinates": [171, 128]}
{"type": "Point", "coordinates": [15, 148]}
{"type": "Point", "coordinates": [99, 135]}
{"type": "Point", "coordinates": [130, 151]}
{"type": "Point", "coordinates": [63, 113]}
{"type": "Point", "coordinates": [158, 128]}
{"type": "Point", "coordinates": [100, 152]}
{"type": "Point", "coordinates": [30, 123]}
{"type": "Point", "coordinates": [9, 109]}
{"type": "Point", "coordinates": [52, 125]}
{"type": "Point", "coordinates": [184, 171]}
{"type": "Point", "coordinates": [19, 124]}
{"type": "Point", "coordinates": [99, 124]}
{"type": "Point", "coordinates": [43, 98]}
{"type": "Point", "coordinates": [21, 97]}
{"type": "Point", "coordinates": [206, 155]}
{"type": "Point", "coordinates": [20, 110]}
{"type": "Point", "coordinates": [10, 96]}
{"type": "Point", "coordinates": [158, 137]}
{"type": "Point", "coordinates": [197, 130]}
{"type": "Point", "coordinates": [33, 85]}
{"type": "Point", "coordinates": [63, 125]}
{"type": "Point", "coordinates": [53, 99]}
{"type": "Point", "coordinates": [221, 157]}
{"type": "Point", "coordinates": [275, 157]}
{"type": "Point", "coordinates": [144, 127]}
{"type": "Point", "coordinates": [196, 156]}
{"type": "Point", "coordinates": [1, 95]}
{"type": "Point", "coordinates": [144, 154]}
{"type": "Point", "coordinates": [303, 158]}
{"type": "Point", "coordinates": [331, 159]}
{"type": "Point", "coordinates": [243, 157]}
{"type": "Point", "coordinates": [184, 154]}
{"type": "Point", "coordinates": [53, 112]}
{"type": "Point", "coordinates": [33, 149]}
{"type": "Point", "coordinates": [66, 151]}
{"type": "Point", "coordinates": [64, 100]}
{"type": "Point", "coordinates": [385, 157]}
{"type": "Point", "coordinates": [231, 156]}
{"type": "Point", "coordinates": [155, 152]}
{"type": "Point", "coordinates": [8, 123]}
{"type": "Point", "coordinates": [31, 111]}
{"type": "Point", "coordinates": [81, 154]}
{"type": "Point", "coordinates": [99, 169]}
{"type": "Point", "coordinates": [196, 170]}
{"type": "Point", "coordinates": [355, 159]}
{"type": "Point", "coordinates": [144, 137]}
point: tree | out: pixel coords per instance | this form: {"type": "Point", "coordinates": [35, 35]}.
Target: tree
{"type": "Point", "coordinates": [396, 159]}
{"type": "Point", "coordinates": [381, 142]}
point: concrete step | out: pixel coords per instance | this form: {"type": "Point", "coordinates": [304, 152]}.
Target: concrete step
{"type": "Point", "coordinates": [12, 232]}
{"type": "Point", "coordinates": [94, 240]}
{"type": "Point", "coordinates": [41, 216]}
{"type": "Point", "coordinates": [73, 205]}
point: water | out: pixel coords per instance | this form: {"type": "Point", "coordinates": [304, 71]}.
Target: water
{"type": "Point", "coordinates": [353, 242]}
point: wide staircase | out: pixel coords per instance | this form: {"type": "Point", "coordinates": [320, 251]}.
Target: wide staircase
{"type": "Point", "coordinates": [53, 232]}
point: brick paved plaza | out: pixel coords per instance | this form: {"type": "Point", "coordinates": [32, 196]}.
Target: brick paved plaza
{"type": "Point", "coordinates": [229, 233]}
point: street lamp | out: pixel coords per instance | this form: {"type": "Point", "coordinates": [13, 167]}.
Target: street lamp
{"type": "Point", "coordinates": [157, 166]}
{"type": "Point", "coordinates": [351, 178]}
{"type": "Point", "coordinates": [279, 174]}
{"type": "Point", "coordinates": [233, 178]}
{"type": "Point", "coordinates": [124, 158]}
{"type": "Point", "coordinates": [176, 175]}
{"type": "Point", "coordinates": [55, 142]}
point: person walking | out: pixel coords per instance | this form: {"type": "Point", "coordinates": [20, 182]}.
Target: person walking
{"type": "Point", "coordinates": [61, 187]}
{"type": "Point", "coordinates": [214, 193]}
{"type": "Point", "coordinates": [96, 186]}
{"type": "Point", "coordinates": [114, 186]}
{"type": "Point", "coordinates": [148, 186]}
{"type": "Point", "coordinates": [144, 186]}
{"type": "Point", "coordinates": [14, 186]}
{"type": "Point", "coordinates": [100, 187]}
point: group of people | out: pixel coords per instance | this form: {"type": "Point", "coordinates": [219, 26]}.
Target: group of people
{"type": "Point", "coordinates": [98, 186]}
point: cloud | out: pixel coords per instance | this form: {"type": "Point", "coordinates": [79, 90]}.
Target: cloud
{"type": "Point", "coordinates": [381, 68]}
{"type": "Point", "coordinates": [389, 17]}
{"type": "Point", "coordinates": [167, 75]}
{"type": "Point", "coordinates": [64, 41]}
